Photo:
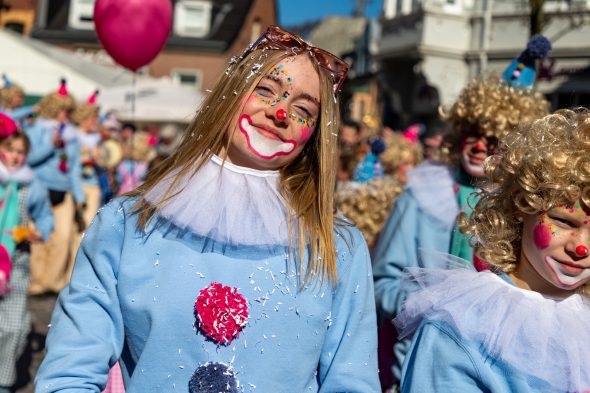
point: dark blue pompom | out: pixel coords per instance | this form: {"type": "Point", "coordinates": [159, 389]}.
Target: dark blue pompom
{"type": "Point", "coordinates": [378, 146]}
{"type": "Point", "coordinates": [539, 46]}
{"type": "Point", "coordinates": [213, 378]}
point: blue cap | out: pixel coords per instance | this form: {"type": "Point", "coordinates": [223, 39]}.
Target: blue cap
{"type": "Point", "coordinates": [522, 72]}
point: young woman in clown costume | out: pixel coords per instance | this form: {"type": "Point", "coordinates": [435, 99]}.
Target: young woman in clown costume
{"type": "Point", "coordinates": [228, 270]}
{"type": "Point", "coordinates": [526, 326]}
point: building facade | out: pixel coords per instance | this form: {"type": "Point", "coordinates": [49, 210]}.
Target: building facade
{"type": "Point", "coordinates": [430, 49]}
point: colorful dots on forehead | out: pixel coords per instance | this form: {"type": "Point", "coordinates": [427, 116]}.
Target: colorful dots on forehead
{"type": "Point", "coordinates": [280, 71]}
{"type": "Point", "coordinates": [577, 210]}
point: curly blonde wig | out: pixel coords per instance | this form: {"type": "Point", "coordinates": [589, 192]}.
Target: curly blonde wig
{"type": "Point", "coordinates": [83, 112]}
{"type": "Point", "coordinates": [53, 103]}
{"type": "Point", "coordinates": [490, 107]}
{"type": "Point", "coordinates": [543, 165]}
{"type": "Point", "coordinates": [7, 95]}
{"type": "Point", "coordinates": [399, 151]}
{"type": "Point", "coordinates": [367, 205]}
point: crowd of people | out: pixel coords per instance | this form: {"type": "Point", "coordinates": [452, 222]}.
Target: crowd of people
{"type": "Point", "coordinates": [276, 249]}
{"type": "Point", "coordinates": [60, 161]}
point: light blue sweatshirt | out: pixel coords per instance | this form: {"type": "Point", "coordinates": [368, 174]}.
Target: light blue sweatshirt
{"type": "Point", "coordinates": [442, 359]}
{"type": "Point", "coordinates": [39, 209]}
{"type": "Point", "coordinates": [132, 297]}
{"type": "Point", "coordinates": [44, 158]}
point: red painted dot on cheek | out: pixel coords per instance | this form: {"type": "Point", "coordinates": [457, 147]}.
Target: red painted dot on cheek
{"type": "Point", "coordinates": [541, 236]}
{"type": "Point", "coordinates": [306, 134]}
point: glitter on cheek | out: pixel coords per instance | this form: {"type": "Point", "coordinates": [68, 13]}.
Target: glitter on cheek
{"type": "Point", "coordinates": [541, 236]}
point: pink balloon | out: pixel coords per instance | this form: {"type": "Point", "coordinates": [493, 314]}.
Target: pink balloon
{"type": "Point", "coordinates": [133, 31]}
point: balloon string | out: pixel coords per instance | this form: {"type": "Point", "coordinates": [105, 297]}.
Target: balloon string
{"type": "Point", "coordinates": [133, 96]}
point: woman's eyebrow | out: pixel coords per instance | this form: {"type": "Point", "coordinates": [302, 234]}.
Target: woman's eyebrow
{"type": "Point", "coordinates": [308, 97]}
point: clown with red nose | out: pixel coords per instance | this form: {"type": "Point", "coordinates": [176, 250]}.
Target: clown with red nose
{"type": "Point", "coordinates": [424, 218]}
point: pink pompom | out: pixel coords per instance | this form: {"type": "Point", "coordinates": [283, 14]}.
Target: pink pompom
{"type": "Point", "coordinates": [516, 73]}
{"type": "Point", "coordinates": [221, 312]}
{"type": "Point", "coordinates": [7, 126]}
{"type": "Point", "coordinates": [63, 90]}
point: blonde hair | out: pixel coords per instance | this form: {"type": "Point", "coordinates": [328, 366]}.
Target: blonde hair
{"type": "Point", "coordinates": [7, 94]}
{"type": "Point", "coordinates": [52, 104]}
{"type": "Point", "coordinates": [490, 107]}
{"type": "Point", "coordinates": [543, 165]}
{"type": "Point", "coordinates": [399, 151]}
{"type": "Point", "coordinates": [83, 112]}
{"type": "Point", "coordinates": [367, 205]}
{"type": "Point", "coordinates": [307, 183]}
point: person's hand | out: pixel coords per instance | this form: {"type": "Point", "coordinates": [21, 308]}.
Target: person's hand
{"type": "Point", "coordinates": [34, 237]}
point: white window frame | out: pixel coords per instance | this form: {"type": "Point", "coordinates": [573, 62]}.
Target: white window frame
{"type": "Point", "coordinates": [176, 73]}
{"type": "Point", "coordinates": [78, 9]}
{"type": "Point", "coordinates": [181, 10]}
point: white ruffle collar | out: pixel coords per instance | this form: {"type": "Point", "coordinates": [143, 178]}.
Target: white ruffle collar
{"type": "Point", "coordinates": [22, 175]}
{"type": "Point", "coordinates": [541, 337]}
{"type": "Point", "coordinates": [432, 184]}
{"type": "Point", "coordinates": [227, 203]}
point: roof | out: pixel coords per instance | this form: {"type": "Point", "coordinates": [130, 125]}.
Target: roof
{"type": "Point", "coordinates": [338, 34]}
{"type": "Point", "coordinates": [38, 67]}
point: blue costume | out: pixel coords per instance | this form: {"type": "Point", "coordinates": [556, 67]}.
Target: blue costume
{"type": "Point", "coordinates": [19, 114]}
{"type": "Point", "coordinates": [32, 203]}
{"type": "Point", "coordinates": [132, 298]}
{"type": "Point", "coordinates": [45, 158]}
{"type": "Point", "coordinates": [423, 218]}
{"type": "Point", "coordinates": [477, 332]}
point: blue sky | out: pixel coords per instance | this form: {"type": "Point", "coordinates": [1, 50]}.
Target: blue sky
{"type": "Point", "coordinates": [293, 12]}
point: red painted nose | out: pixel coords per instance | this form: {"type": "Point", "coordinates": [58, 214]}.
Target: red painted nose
{"type": "Point", "coordinates": [480, 146]}
{"type": "Point", "coordinates": [281, 114]}
{"type": "Point", "coordinates": [582, 251]}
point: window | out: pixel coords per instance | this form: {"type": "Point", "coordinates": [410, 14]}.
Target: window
{"type": "Point", "coordinates": [188, 77]}
{"type": "Point", "coordinates": [17, 27]}
{"type": "Point", "coordinates": [192, 18]}
{"type": "Point", "coordinates": [81, 13]}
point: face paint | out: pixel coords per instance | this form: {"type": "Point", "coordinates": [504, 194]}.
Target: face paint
{"type": "Point", "coordinates": [264, 143]}
{"type": "Point", "coordinates": [267, 132]}
{"type": "Point", "coordinates": [474, 151]}
{"type": "Point", "coordinates": [568, 274]}
{"type": "Point", "coordinates": [542, 236]}
{"type": "Point", "coordinates": [306, 134]}
{"type": "Point", "coordinates": [550, 243]}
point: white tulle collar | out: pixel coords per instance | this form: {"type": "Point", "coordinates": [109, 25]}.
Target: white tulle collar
{"type": "Point", "coordinates": [522, 328]}
{"type": "Point", "coordinates": [432, 184]}
{"type": "Point", "coordinates": [242, 169]}
{"type": "Point", "coordinates": [227, 203]}
{"type": "Point", "coordinates": [22, 175]}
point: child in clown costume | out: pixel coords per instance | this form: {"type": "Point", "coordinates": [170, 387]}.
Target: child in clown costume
{"type": "Point", "coordinates": [12, 101]}
{"type": "Point", "coordinates": [85, 118]}
{"type": "Point", "coordinates": [227, 270]}
{"type": "Point", "coordinates": [424, 216]}
{"type": "Point", "coordinates": [55, 158]}
{"type": "Point", "coordinates": [22, 198]}
{"type": "Point", "coordinates": [526, 327]}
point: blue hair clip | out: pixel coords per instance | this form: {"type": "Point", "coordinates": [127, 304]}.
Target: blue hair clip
{"type": "Point", "coordinates": [7, 82]}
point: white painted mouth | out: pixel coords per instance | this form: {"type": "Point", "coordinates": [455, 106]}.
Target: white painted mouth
{"type": "Point", "coordinates": [565, 276]}
{"type": "Point", "coordinates": [473, 169]}
{"type": "Point", "coordinates": [262, 146]}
